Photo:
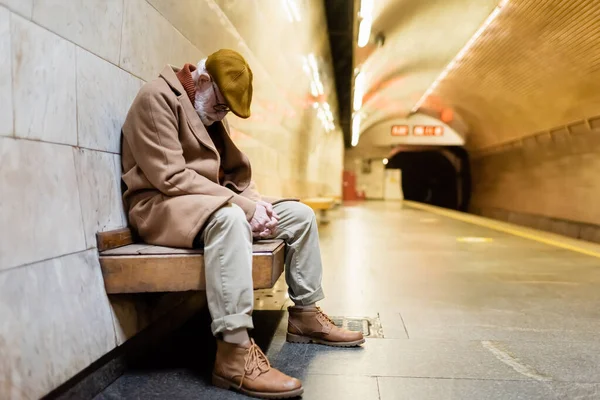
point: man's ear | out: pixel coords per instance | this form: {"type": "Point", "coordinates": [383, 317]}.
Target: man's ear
{"type": "Point", "coordinates": [203, 80]}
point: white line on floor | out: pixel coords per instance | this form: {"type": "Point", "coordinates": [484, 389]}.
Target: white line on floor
{"type": "Point", "coordinates": [514, 362]}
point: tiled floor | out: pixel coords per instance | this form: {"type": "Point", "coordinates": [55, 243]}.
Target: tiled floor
{"type": "Point", "coordinates": [506, 318]}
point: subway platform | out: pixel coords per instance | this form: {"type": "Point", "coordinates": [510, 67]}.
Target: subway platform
{"type": "Point", "coordinates": [455, 307]}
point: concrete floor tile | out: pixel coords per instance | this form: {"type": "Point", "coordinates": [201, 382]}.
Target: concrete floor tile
{"type": "Point", "coordinates": [167, 384]}
{"type": "Point", "coordinates": [562, 361]}
{"type": "Point", "coordinates": [463, 389]}
{"type": "Point", "coordinates": [291, 360]}
{"type": "Point", "coordinates": [576, 390]}
{"type": "Point", "coordinates": [503, 320]}
{"type": "Point", "coordinates": [393, 325]}
{"type": "Point", "coordinates": [328, 387]}
{"type": "Point", "coordinates": [410, 358]}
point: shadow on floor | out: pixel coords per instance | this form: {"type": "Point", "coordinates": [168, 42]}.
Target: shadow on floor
{"type": "Point", "coordinates": [193, 346]}
{"type": "Point", "coordinates": [180, 366]}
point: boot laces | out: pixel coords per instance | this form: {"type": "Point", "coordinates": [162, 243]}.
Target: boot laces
{"type": "Point", "coordinates": [324, 316]}
{"type": "Point", "coordinates": [256, 362]}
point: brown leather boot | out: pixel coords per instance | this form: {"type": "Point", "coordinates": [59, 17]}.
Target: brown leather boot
{"type": "Point", "coordinates": [311, 325]}
{"type": "Point", "coordinates": [246, 369]}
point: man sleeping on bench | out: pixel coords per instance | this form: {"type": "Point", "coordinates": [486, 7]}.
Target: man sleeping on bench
{"type": "Point", "coordinates": [187, 185]}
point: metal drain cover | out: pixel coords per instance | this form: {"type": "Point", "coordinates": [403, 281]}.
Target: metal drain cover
{"type": "Point", "coordinates": [370, 327]}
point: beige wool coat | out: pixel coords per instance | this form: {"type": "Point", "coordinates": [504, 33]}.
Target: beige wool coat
{"type": "Point", "coordinates": [171, 166]}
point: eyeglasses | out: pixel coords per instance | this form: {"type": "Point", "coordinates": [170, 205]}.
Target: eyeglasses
{"type": "Point", "coordinates": [220, 107]}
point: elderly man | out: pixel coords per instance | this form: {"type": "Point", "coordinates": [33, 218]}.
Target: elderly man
{"type": "Point", "coordinates": [187, 184]}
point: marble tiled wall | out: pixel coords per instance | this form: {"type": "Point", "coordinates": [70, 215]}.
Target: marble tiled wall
{"type": "Point", "coordinates": [68, 72]}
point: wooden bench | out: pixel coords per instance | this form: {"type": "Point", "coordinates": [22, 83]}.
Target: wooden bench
{"type": "Point", "coordinates": [129, 267]}
{"type": "Point", "coordinates": [320, 205]}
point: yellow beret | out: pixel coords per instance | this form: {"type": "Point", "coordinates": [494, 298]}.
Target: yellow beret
{"type": "Point", "coordinates": [233, 77]}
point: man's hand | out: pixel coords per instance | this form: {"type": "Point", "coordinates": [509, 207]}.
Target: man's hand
{"type": "Point", "coordinates": [270, 211]}
{"type": "Point", "coordinates": [264, 221]}
{"type": "Point", "coordinates": [260, 220]}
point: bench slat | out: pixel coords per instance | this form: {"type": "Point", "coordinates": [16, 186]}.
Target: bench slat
{"type": "Point", "coordinates": [129, 250]}
{"type": "Point", "coordinates": [116, 238]}
{"type": "Point", "coordinates": [168, 250]}
{"type": "Point", "coordinates": [263, 246]}
{"type": "Point", "coordinates": [152, 272]}
{"type": "Point", "coordinates": [141, 248]}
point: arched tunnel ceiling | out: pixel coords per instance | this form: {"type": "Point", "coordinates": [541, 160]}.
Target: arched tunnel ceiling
{"type": "Point", "coordinates": [421, 38]}
{"type": "Point", "coordinates": [537, 65]}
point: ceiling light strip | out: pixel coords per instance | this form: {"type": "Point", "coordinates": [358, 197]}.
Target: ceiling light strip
{"type": "Point", "coordinates": [317, 90]}
{"type": "Point", "coordinates": [355, 129]}
{"type": "Point", "coordinates": [359, 91]}
{"type": "Point", "coordinates": [364, 28]}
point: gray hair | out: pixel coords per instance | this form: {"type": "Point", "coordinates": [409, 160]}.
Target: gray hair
{"type": "Point", "coordinates": [200, 69]}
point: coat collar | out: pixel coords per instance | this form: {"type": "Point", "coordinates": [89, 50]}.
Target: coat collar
{"type": "Point", "coordinates": [168, 74]}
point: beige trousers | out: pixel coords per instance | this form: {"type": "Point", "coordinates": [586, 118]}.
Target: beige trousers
{"type": "Point", "coordinates": [227, 240]}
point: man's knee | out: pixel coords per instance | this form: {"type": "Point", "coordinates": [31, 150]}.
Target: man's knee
{"type": "Point", "coordinates": [300, 212]}
{"type": "Point", "coordinates": [230, 215]}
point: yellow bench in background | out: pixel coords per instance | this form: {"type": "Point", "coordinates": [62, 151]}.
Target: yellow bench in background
{"type": "Point", "coordinates": [320, 205]}
{"type": "Point", "coordinates": [337, 201]}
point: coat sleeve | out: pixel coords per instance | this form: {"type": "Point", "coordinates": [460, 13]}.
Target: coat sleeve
{"type": "Point", "coordinates": [252, 193]}
{"type": "Point", "coordinates": [153, 137]}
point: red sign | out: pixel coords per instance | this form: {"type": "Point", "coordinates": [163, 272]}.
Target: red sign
{"type": "Point", "coordinates": [426, 130]}
{"type": "Point", "coordinates": [399, 130]}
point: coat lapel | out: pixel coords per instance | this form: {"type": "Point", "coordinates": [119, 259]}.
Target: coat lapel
{"type": "Point", "coordinates": [236, 164]}
{"type": "Point", "coordinates": [238, 171]}
{"type": "Point", "coordinates": [168, 74]}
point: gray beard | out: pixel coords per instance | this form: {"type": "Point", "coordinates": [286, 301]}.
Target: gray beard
{"type": "Point", "coordinates": [199, 102]}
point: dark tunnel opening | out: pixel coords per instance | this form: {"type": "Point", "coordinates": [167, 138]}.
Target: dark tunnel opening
{"type": "Point", "coordinates": [430, 177]}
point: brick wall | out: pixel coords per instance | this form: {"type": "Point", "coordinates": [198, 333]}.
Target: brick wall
{"type": "Point", "coordinates": [549, 180]}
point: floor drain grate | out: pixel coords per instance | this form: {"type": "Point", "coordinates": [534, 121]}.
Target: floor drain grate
{"type": "Point", "coordinates": [370, 327]}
